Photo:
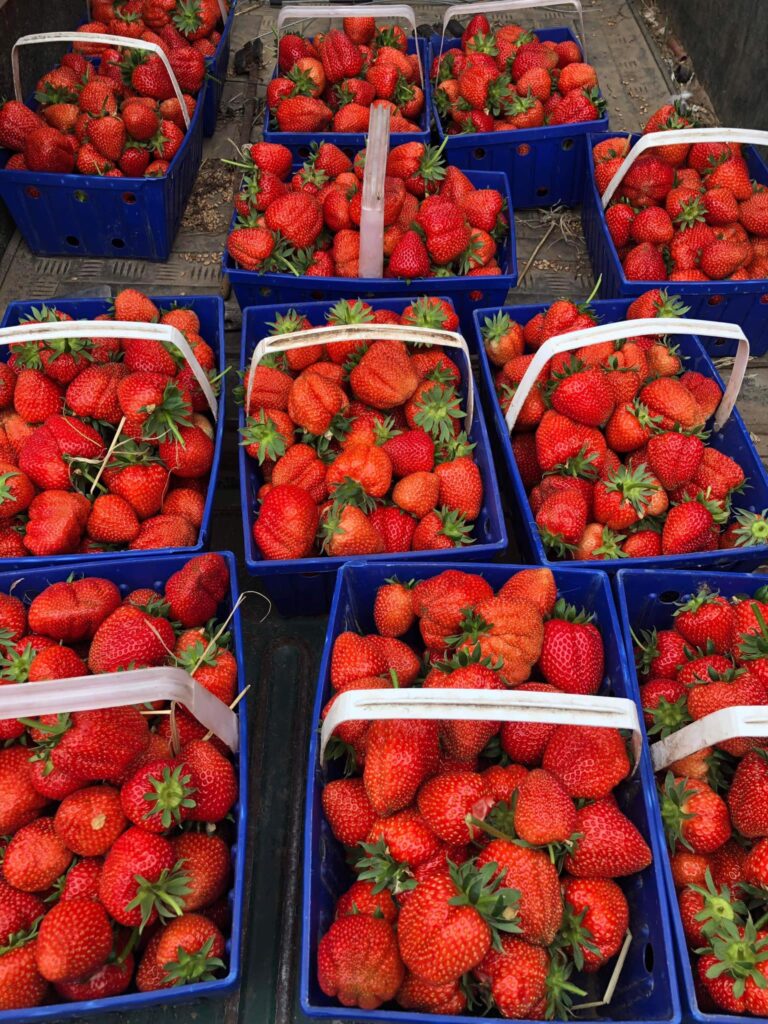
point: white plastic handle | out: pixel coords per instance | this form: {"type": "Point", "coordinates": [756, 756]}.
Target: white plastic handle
{"type": "Point", "coordinates": [632, 329]}
{"type": "Point", "coordinates": [491, 7]}
{"type": "Point", "coordinates": [95, 37]}
{"type": "Point", "coordinates": [484, 705]}
{"type": "Point", "coordinates": [111, 690]}
{"type": "Point", "coordinates": [374, 182]}
{"type": "Point", "coordinates": [726, 724]}
{"type": "Point", "coordinates": [681, 135]}
{"type": "Point", "coordinates": [303, 12]}
{"type": "Point", "coordinates": [222, 8]}
{"type": "Point", "coordinates": [113, 329]}
{"type": "Point", "coordinates": [364, 332]}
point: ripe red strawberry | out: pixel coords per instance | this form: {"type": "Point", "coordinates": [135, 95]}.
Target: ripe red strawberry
{"type": "Point", "coordinates": [413, 747]}
{"type": "Point", "coordinates": [465, 740]}
{"type": "Point", "coordinates": [35, 857]}
{"type": "Point", "coordinates": [21, 984]}
{"type": "Point", "coordinates": [446, 801]}
{"type": "Point", "coordinates": [746, 796]}
{"type": "Point", "coordinates": [130, 636]}
{"type": "Point", "coordinates": [675, 457]}
{"type": "Point", "coordinates": [690, 526]}
{"type": "Point", "coordinates": [707, 617]}
{"type": "Point", "coordinates": [358, 961]}
{"type": "Point", "coordinates": [393, 609]}
{"type": "Point", "coordinates": [610, 847]}
{"type": "Point", "coordinates": [589, 762]}
{"type": "Point", "coordinates": [545, 812]}
{"type": "Point", "coordinates": [601, 909]}
{"type": "Point", "coordinates": [75, 938]}
{"type": "Point", "coordinates": [206, 860]}
{"type": "Point", "coordinates": [287, 523]}
{"type": "Point", "coordinates": [141, 869]}
{"type": "Point", "coordinates": [348, 810]}
{"type": "Point", "coordinates": [89, 821]}
{"type": "Point", "coordinates": [572, 654]}
{"type": "Point", "coordinates": [395, 527]}
{"type": "Point", "coordinates": [532, 875]}
{"type": "Point", "coordinates": [20, 803]}
{"type": "Point", "coordinates": [694, 815]}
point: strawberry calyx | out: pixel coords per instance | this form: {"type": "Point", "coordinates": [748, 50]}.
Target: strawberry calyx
{"type": "Point", "coordinates": [675, 793]}
{"type": "Point", "coordinates": [582, 466]}
{"type": "Point", "coordinates": [753, 646]}
{"type": "Point", "coordinates": [454, 526]}
{"type": "Point", "coordinates": [668, 717]}
{"type": "Point", "coordinates": [495, 903]}
{"type": "Point", "coordinates": [6, 494]}
{"type": "Point", "coordinates": [634, 486]}
{"type": "Point", "coordinates": [164, 419]}
{"type": "Point", "coordinates": [380, 867]}
{"type": "Point", "coordinates": [187, 17]}
{"type": "Point", "coordinates": [720, 906]}
{"type": "Point", "coordinates": [263, 431]}
{"type": "Point", "coordinates": [385, 430]}
{"type": "Point", "coordinates": [132, 453]}
{"type": "Point", "coordinates": [574, 936]}
{"type": "Point", "coordinates": [752, 530]}
{"type": "Point", "coordinates": [48, 737]}
{"type": "Point", "coordinates": [15, 666]}
{"type": "Point", "coordinates": [426, 311]}
{"type": "Point", "coordinates": [437, 408]}
{"type": "Point", "coordinates": [347, 311]}
{"type": "Point", "coordinates": [570, 613]}
{"type": "Point", "coordinates": [718, 510]}
{"type": "Point", "coordinates": [691, 212]}
{"type": "Point", "coordinates": [165, 895]}
{"type": "Point", "coordinates": [404, 92]}
{"type": "Point", "coordinates": [560, 990]}
{"type": "Point", "coordinates": [303, 83]}
{"type": "Point", "coordinates": [189, 968]}
{"type": "Point", "coordinates": [496, 327]}
{"type": "Point", "coordinates": [556, 542]}
{"type": "Point", "coordinates": [482, 42]}
{"type": "Point", "coordinates": [432, 165]}
{"type": "Point", "coordinates": [18, 939]}
{"type": "Point", "coordinates": [170, 794]}
{"type": "Point", "coordinates": [465, 657]}
{"type": "Point", "coordinates": [351, 492]}
{"type": "Point", "coordinates": [739, 952]}
{"type": "Point", "coordinates": [287, 323]}
{"type": "Point", "coordinates": [609, 546]}
{"type": "Point", "coordinates": [456, 448]}
{"type": "Point", "coordinates": [646, 649]}
{"type": "Point", "coordinates": [702, 597]}
{"type": "Point", "coordinates": [50, 95]}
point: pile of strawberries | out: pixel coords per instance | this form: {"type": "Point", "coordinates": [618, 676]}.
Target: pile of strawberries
{"type": "Point", "coordinates": [714, 803]}
{"type": "Point", "coordinates": [361, 443]}
{"type": "Point", "coordinates": [117, 117]}
{"type": "Point", "coordinates": [503, 79]}
{"type": "Point", "coordinates": [610, 441]}
{"type": "Point", "coordinates": [485, 853]}
{"type": "Point", "coordinates": [307, 222]}
{"type": "Point", "coordinates": [685, 213]}
{"type": "Point", "coordinates": [105, 443]}
{"type": "Point", "coordinates": [331, 82]}
{"type": "Point", "coordinates": [115, 842]}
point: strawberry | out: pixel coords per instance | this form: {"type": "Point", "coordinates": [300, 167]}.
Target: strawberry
{"type": "Point", "coordinates": [286, 506]}
{"type": "Point", "coordinates": [544, 812]}
{"type": "Point", "coordinates": [610, 847]}
{"type": "Point", "coordinates": [89, 821]}
{"type": "Point", "coordinates": [130, 636]}
{"type": "Point", "coordinates": [21, 984]}
{"type": "Point", "coordinates": [446, 801]}
{"type": "Point", "coordinates": [206, 860]}
{"type": "Point", "coordinates": [746, 794]}
{"type": "Point", "coordinates": [674, 457]}
{"type": "Point", "coordinates": [644, 263]}
{"type": "Point", "coordinates": [572, 653]}
{"type": "Point", "coordinates": [707, 617]}
{"type": "Point", "coordinates": [690, 526]}
{"type": "Point", "coordinates": [413, 746]}
{"type": "Point", "coordinates": [694, 815]}
{"type": "Point", "coordinates": [189, 949]}
{"type": "Point", "coordinates": [533, 877]}
{"type": "Point", "coordinates": [358, 961]}
{"type": "Point", "coordinates": [596, 908]}
{"type": "Point", "coordinates": [35, 857]}
{"type": "Point", "coordinates": [75, 939]}
{"type": "Point", "coordinates": [140, 879]}
{"type": "Point", "coordinates": [466, 740]}
{"type": "Point", "coordinates": [393, 609]}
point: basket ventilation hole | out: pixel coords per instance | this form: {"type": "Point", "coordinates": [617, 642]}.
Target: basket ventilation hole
{"type": "Point", "coordinates": [317, 296]}
{"type": "Point", "coordinates": [648, 957]}
{"type": "Point", "coordinates": [478, 153]}
{"type": "Point", "coordinates": [669, 597]}
{"type": "Point", "coordinates": [79, 196]}
{"type": "Point", "coordinates": [719, 342]}
{"type": "Point", "coordinates": [523, 149]}
{"type": "Point", "coordinates": [129, 198]}
{"type": "Point", "coordinates": [31, 192]}
{"type": "Point", "coordinates": [567, 144]}
{"type": "Point", "coordinates": [764, 299]}
{"type": "Point", "coordinates": [542, 191]}
{"type": "Point", "coordinates": [71, 240]}
{"type": "Point", "coordinates": [715, 300]}
{"type": "Point", "coordinates": [303, 152]}
{"type": "Point", "coordinates": [118, 243]}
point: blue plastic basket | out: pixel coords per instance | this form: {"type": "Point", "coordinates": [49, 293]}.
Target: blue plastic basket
{"type": "Point", "coordinates": [154, 571]}
{"type": "Point", "coordinates": [545, 165]}
{"type": "Point", "coordinates": [646, 599]}
{"type": "Point", "coordinates": [210, 310]}
{"type": "Point", "coordinates": [740, 302]}
{"type": "Point", "coordinates": [733, 439]}
{"type": "Point", "coordinates": [93, 215]}
{"type": "Point", "coordinates": [466, 293]}
{"type": "Point", "coordinates": [647, 989]}
{"type": "Point", "coordinates": [305, 586]}
{"type": "Point", "coordinates": [352, 142]}
{"type": "Point", "coordinates": [216, 74]}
